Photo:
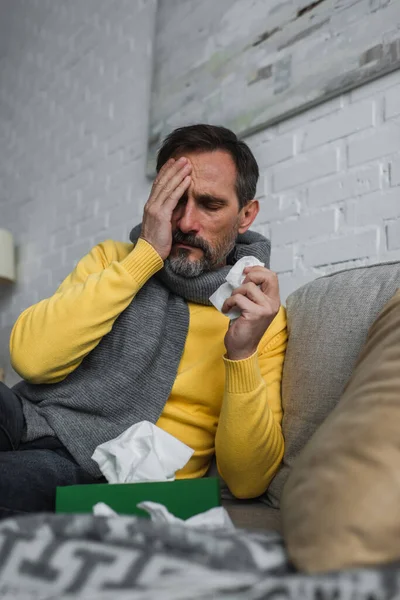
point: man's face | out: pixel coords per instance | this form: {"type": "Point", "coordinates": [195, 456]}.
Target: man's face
{"type": "Point", "coordinates": [206, 221]}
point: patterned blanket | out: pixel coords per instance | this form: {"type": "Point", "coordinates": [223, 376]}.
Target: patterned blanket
{"type": "Point", "coordinates": [61, 557]}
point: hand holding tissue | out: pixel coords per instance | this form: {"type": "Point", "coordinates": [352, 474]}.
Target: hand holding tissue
{"type": "Point", "coordinates": [144, 452]}
{"type": "Point", "coordinates": [234, 279]}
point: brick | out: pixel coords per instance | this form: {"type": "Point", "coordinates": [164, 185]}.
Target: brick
{"type": "Point", "coordinates": [73, 254]}
{"type": "Point", "coordinates": [305, 167]}
{"type": "Point", "coordinates": [303, 228]}
{"type": "Point", "coordinates": [53, 260]}
{"type": "Point", "coordinates": [282, 259]}
{"type": "Point", "coordinates": [312, 114]}
{"type": "Point", "coordinates": [375, 87]}
{"type": "Point", "coordinates": [392, 102]}
{"type": "Point", "coordinates": [349, 120]}
{"type": "Point", "coordinates": [62, 238]}
{"type": "Point", "coordinates": [58, 275]}
{"type": "Point", "coordinates": [345, 185]}
{"type": "Point", "coordinates": [262, 187]}
{"type": "Point", "coordinates": [275, 151]}
{"type": "Point", "coordinates": [349, 247]}
{"type": "Point", "coordinates": [40, 286]}
{"type": "Point", "coordinates": [395, 171]}
{"type": "Point", "coordinates": [274, 208]}
{"type": "Point", "coordinates": [121, 179]}
{"type": "Point", "coordinates": [381, 142]}
{"type": "Point", "coordinates": [393, 235]}
{"type": "Point", "coordinates": [92, 227]}
{"type": "Point", "coordinates": [120, 216]}
{"type": "Point", "coordinates": [83, 212]}
{"type": "Point", "coordinates": [373, 208]}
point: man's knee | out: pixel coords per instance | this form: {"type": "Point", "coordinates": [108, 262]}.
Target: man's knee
{"type": "Point", "coordinates": [11, 419]}
{"type": "Point", "coordinates": [23, 485]}
{"type": "Point", "coordinates": [29, 479]}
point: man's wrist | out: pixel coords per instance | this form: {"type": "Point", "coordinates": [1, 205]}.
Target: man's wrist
{"type": "Point", "coordinates": [242, 354]}
{"type": "Point", "coordinates": [143, 262]}
{"type": "Point", "coordinates": [242, 376]}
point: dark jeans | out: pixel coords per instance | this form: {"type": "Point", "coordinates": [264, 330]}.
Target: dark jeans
{"type": "Point", "coordinates": [30, 472]}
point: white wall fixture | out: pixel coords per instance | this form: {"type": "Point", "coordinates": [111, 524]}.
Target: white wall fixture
{"type": "Point", "coordinates": [7, 257]}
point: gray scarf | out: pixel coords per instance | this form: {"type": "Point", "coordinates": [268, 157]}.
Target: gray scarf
{"type": "Point", "coordinates": [128, 377]}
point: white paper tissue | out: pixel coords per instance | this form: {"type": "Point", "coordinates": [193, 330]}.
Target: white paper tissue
{"type": "Point", "coordinates": [234, 279]}
{"type": "Point", "coordinates": [144, 452]}
{"type": "Point", "coordinates": [215, 518]}
{"type": "Point", "coordinates": [103, 510]}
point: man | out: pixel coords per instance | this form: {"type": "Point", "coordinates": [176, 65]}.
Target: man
{"type": "Point", "coordinates": [131, 335]}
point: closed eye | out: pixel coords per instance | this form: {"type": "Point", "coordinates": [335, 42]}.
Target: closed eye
{"type": "Point", "coordinates": [210, 202]}
{"type": "Point", "coordinates": [213, 207]}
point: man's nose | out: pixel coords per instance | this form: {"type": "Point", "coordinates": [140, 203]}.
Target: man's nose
{"type": "Point", "coordinates": [188, 221]}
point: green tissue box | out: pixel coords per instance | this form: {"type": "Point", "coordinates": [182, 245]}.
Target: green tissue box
{"type": "Point", "coordinates": [183, 498]}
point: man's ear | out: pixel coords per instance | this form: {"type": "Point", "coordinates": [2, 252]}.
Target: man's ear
{"type": "Point", "coordinates": [248, 214]}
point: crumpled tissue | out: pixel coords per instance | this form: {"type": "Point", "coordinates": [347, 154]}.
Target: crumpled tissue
{"type": "Point", "coordinates": [144, 452]}
{"type": "Point", "coordinates": [215, 518]}
{"type": "Point", "coordinates": [234, 279]}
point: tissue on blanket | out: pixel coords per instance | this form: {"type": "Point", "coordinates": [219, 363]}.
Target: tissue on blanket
{"type": "Point", "coordinates": [144, 452]}
{"type": "Point", "coordinates": [215, 518]}
{"type": "Point", "coordinates": [101, 509]}
{"type": "Point", "coordinates": [234, 279]}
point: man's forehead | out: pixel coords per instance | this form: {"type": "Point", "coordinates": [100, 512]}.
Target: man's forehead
{"type": "Point", "coordinates": [213, 173]}
{"type": "Point", "coordinates": [215, 169]}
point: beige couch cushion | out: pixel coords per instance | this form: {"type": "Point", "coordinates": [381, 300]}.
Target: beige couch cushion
{"type": "Point", "coordinates": [341, 502]}
{"type": "Point", "coordinates": [328, 321]}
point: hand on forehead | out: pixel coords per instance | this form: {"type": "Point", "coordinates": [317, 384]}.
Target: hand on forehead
{"type": "Point", "coordinates": [212, 172]}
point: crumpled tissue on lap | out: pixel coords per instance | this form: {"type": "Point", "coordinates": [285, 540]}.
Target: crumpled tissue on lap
{"type": "Point", "coordinates": [234, 279]}
{"type": "Point", "coordinates": [144, 452]}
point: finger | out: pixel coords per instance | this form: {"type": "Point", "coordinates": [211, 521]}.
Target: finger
{"type": "Point", "coordinates": [168, 195]}
{"type": "Point", "coordinates": [251, 291]}
{"type": "Point", "coordinates": [256, 269]}
{"type": "Point", "coordinates": [165, 167]}
{"type": "Point", "coordinates": [268, 281]}
{"type": "Point", "coordinates": [161, 173]}
{"type": "Point", "coordinates": [170, 169]}
{"type": "Point", "coordinates": [170, 204]}
{"type": "Point", "coordinates": [169, 180]}
{"type": "Point", "coordinates": [239, 301]}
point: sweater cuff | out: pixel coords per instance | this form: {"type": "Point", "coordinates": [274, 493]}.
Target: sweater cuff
{"type": "Point", "coordinates": [142, 262]}
{"type": "Point", "coordinates": [242, 376]}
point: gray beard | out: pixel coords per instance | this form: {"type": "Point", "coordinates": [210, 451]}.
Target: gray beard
{"type": "Point", "coordinates": [181, 265]}
{"type": "Point", "coordinates": [212, 258]}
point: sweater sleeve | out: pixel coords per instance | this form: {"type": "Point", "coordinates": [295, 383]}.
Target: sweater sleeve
{"type": "Point", "coordinates": [249, 442]}
{"type": "Point", "coordinates": [51, 338]}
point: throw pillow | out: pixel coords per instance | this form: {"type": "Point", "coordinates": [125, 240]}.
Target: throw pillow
{"type": "Point", "coordinates": [340, 505]}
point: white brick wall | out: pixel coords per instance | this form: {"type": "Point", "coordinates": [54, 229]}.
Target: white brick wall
{"type": "Point", "coordinates": [74, 98]}
{"type": "Point", "coordinates": [74, 92]}
{"type": "Point", "coordinates": [334, 201]}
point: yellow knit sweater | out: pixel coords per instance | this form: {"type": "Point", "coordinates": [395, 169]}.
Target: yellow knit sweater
{"type": "Point", "coordinates": [232, 408]}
